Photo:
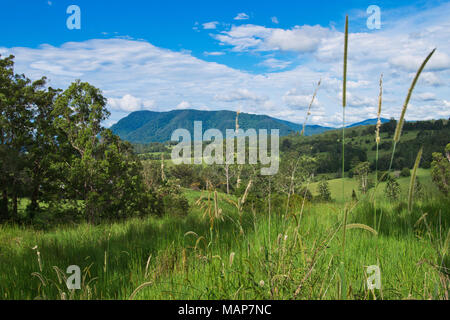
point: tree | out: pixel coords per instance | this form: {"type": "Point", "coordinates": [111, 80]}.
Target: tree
{"type": "Point", "coordinates": [16, 132]}
{"type": "Point", "coordinates": [405, 172]}
{"type": "Point", "coordinates": [324, 190]}
{"type": "Point", "coordinates": [440, 170]}
{"type": "Point", "coordinates": [47, 148]}
{"type": "Point", "coordinates": [392, 190]}
{"type": "Point", "coordinates": [103, 171]}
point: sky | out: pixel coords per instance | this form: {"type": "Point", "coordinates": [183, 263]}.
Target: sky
{"type": "Point", "coordinates": [263, 57]}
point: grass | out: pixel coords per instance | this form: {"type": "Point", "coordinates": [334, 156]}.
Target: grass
{"type": "Point", "coordinates": [188, 261]}
{"type": "Point", "coordinates": [352, 184]}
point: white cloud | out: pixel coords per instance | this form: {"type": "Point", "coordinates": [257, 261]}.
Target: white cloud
{"type": "Point", "coordinates": [128, 103]}
{"type": "Point", "coordinates": [242, 16]}
{"type": "Point", "coordinates": [183, 105]}
{"type": "Point", "coordinates": [239, 95]}
{"type": "Point", "coordinates": [214, 53]}
{"type": "Point", "coordinates": [299, 101]}
{"type": "Point", "coordinates": [275, 20]}
{"type": "Point", "coordinates": [259, 38]}
{"type": "Point", "coordinates": [210, 25]}
{"type": "Point", "coordinates": [440, 61]}
{"type": "Point", "coordinates": [273, 63]}
{"type": "Point", "coordinates": [425, 96]}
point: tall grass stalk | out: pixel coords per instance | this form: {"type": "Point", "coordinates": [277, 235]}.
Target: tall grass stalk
{"type": "Point", "coordinates": [343, 285]}
{"type": "Point", "coordinates": [344, 103]}
{"type": "Point", "coordinates": [398, 129]}
{"type": "Point", "coordinates": [413, 180]}
{"type": "Point", "coordinates": [377, 140]}
{"type": "Point", "coordinates": [309, 107]}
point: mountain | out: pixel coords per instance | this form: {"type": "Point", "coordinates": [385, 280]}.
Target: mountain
{"type": "Point", "coordinates": [368, 122]}
{"type": "Point", "coordinates": [150, 126]}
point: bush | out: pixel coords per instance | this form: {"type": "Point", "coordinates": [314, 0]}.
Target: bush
{"type": "Point", "coordinates": [324, 191]}
{"type": "Point", "coordinates": [440, 170]}
{"type": "Point", "coordinates": [392, 190]}
{"type": "Point", "coordinates": [405, 172]}
{"type": "Point", "coordinates": [176, 205]}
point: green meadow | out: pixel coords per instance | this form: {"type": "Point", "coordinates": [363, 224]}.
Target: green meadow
{"type": "Point", "coordinates": [203, 256]}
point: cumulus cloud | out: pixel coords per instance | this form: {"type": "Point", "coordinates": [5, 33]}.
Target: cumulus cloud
{"type": "Point", "coordinates": [275, 63]}
{"type": "Point", "coordinates": [275, 20]}
{"type": "Point", "coordinates": [128, 103]}
{"type": "Point", "coordinates": [425, 96]}
{"type": "Point", "coordinates": [242, 16]}
{"type": "Point", "coordinates": [299, 101]}
{"type": "Point", "coordinates": [214, 53]}
{"type": "Point", "coordinates": [411, 63]}
{"type": "Point", "coordinates": [239, 95]}
{"type": "Point", "coordinates": [210, 25]}
{"type": "Point", "coordinates": [258, 38]}
{"type": "Point", "coordinates": [183, 105]}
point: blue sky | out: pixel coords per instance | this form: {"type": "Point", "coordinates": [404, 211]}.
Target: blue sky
{"type": "Point", "coordinates": [253, 56]}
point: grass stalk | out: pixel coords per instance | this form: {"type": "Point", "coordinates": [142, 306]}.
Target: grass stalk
{"type": "Point", "coordinates": [344, 103]}
{"type": "Point", "coordinates": [413, 180]}
{"type": "Point", "coordinates": [398, 129]}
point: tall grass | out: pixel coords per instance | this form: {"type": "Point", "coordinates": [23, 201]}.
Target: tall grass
{"type": "Point", "coordinates": [399, 128]}
{"type": "Point", "coordinates": [344, 98]}
{"type": "Point", "coordinates": [412, 184]}
{"type": "Point", "coordinates": [300, 263]}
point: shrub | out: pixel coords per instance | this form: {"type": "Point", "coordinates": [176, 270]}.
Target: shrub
{"type": "Point", "coordinates": [392, 190]}
{"type": "Point", "coordinates": [405, 172]}
{"type": "Point", "coordinates": [324, 191]}
{"type": "Point", "coordinates": [440, 170]}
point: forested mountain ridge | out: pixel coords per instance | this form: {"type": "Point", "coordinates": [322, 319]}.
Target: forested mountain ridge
{"type": "Point", "coordinates": [150, 126]}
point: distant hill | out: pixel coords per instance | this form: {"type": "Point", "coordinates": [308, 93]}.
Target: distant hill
{"type": "Point", "coordinates": [150, 126]}
{"type": "Point", "coordinates": [368, 122]}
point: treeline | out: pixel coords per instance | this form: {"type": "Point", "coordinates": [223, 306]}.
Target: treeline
{"type": "Point", "coordinates": [55, 153]}
{"type": "Point", "coordinates": [432, 135]}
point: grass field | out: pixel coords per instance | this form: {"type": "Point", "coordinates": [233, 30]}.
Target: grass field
{"type": "Point", "coordinates": [299, 256]}
{"type": "Point", "coordinates": [352, 184]}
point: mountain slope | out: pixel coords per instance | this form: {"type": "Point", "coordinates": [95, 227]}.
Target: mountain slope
{"type": "Point", "coordinates": [368, 122]}
{"type": "Point", "coordinates": [150, 126]}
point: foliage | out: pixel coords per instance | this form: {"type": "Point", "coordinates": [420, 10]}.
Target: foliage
{"type": "Point", "coordinates": [392, 190]}
{"type": "Point", "coordinates": [324, 191]}
{"type": "Point", "coordinates": [405, 172]}
{"type": "Point", "coordinates": [441, 170]}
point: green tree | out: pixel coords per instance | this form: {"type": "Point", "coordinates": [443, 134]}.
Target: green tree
{"type": "Point", "coordinates": [324, 190]}
{"type": "Point", "coordinates": [16, 133]}
{"type": "Point", "coordinates": [392, 190]}
{"type": "Point", "coordinates": [103, 172]}
{"type": "Point", "coordinates": [47, 148]}
{"type": "Point", "coordinates": [405, 172]}
{"type": "Point", "coordinates": [440, 170]}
